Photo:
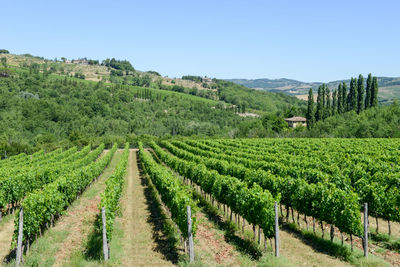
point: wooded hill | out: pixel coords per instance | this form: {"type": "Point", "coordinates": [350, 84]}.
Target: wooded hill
{"type": "Point", "coordinates": [41, 105]}
{"type": "Point", "coordinates": [122, 72]}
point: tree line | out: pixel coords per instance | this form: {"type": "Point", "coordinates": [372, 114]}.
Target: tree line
{"type": "Point", "coordinates": [359, 97]}
{"type": "Point", "coordinates": [122, 65]}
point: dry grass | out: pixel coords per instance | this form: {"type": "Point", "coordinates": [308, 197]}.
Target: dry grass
{"type": "Point", "coordinates": [91, 72]}
{"type": "Point", "coordinates": [302, 254]}
{"type": "Point", "coordinates": [383, 226]}
{"type": "Point", "coordinates": [375, 248]}
{"type": "Point", "coordinates": [6, 233]}
{"type": "Point", "coordinates": [305, 97]}
{"type": "Point", "coordinates": [185, 83]}
{"type": "Point", "coordinates": [18, 60]}
{"type": "Point", "coordinates": [140, 235]}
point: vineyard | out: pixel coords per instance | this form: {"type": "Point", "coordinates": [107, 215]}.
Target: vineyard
{"type": "Point", "coordinates": [235, 202]}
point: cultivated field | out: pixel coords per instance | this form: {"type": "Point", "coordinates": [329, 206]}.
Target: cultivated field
{"type": "Point", "coordinates": [231, 185]}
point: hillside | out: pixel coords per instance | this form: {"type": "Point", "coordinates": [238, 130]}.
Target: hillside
{"type": "Point", "coordinates": [51, 103]}
{"type": "Point", "coordinates": [36, 109]}
{"type": "Point", "coordinates": [214, 89]}
{"type": "Point", "coordinates": [48, 103]}
{"type": "Point", "coordinates": [92, 72]}
{"type": "Point", "coordinates": [389, 87]}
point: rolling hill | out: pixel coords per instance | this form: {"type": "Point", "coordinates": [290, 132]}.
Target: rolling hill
{"type": "Point", "coordinates": [214, 89]}
{"type": "Point", "coordinates": [52, 103]}
{"type": "Point", "coordinates": [389, 87]}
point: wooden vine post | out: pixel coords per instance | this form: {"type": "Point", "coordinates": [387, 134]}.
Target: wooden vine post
{"type": "Point", "coordinates": [190, 234]}
{"type": "Point", "coordinates": [105, 243]}
{"type": "Point", "coordinates": [20, 235]}
{"type": "Point", "coordinates": [276, 231]}
{"type": "Point", "coordinates": [365, 230]}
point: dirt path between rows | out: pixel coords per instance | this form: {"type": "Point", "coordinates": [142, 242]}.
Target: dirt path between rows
{"type": "Point", "coordinates": [6, 233]}
{"type": "Point", "coordinates": [390, 256]}
{"type": "Point", "coordinates": [211, 247]}
{"type": "Point", "coordinates": [302, 254]}
{"type": "Point", "coordinates": [80, 217]}
{"type": "Point", "coordinates": [142, 239]}
{"type": "Point", "coordinates": [297, 251]}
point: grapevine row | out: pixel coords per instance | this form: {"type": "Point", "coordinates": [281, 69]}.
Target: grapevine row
{"type": "Point", "coordinates": [111, 195]}
{"type": "Point", "coordinates": [14, 187]}
{"type": "Point", "coordinates": [323, 201]}
{"type": "Point", "coordinates": [174, 194]}
{"type": "Point", "coordinates": [380, 190]}
{"type": "Point", "coordinates": [41, 207]}
{"type": "Point", "coordinates": [254, 204]}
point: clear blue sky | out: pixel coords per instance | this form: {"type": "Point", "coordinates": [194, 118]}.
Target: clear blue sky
{"type": "Point", "coordinates": [304, 40]}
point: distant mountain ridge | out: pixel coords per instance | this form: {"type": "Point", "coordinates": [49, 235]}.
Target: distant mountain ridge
{"type": "Point", "coordinates": [389, 87]}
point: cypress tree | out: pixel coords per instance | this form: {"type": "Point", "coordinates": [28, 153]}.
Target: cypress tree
{"type": "Point", "coordinates": [310, 109]}
{"type": "Point", "coordinates": [360, 94]}
{"type": "Point", "coordinates": [353, 98]}
{"type": "Point", "coordinates": [374, 92]}
{"type": "Point", "coordinates": [349, 96]}
{"type": "Point", "coordinates": [318, 113]}
{"type": "Point", "coordinates": [327, 110]}
{"type": "Point", "coordinates": [368, 90]}
{"type": "Point", "coordinates": [339, 99]}
{"type": "Point", "coordinates": [334, 102]}
{"type": "Point", "coordinates": [344, 97]}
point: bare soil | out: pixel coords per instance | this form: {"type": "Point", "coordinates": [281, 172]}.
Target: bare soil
{"type": "Point", "coordinates": [211, 247]}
